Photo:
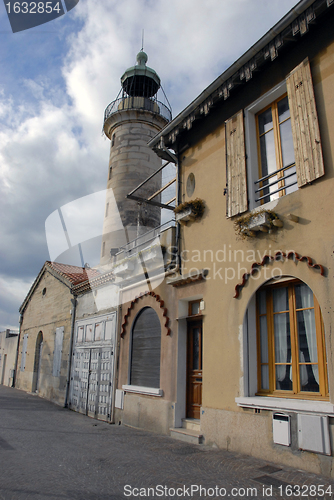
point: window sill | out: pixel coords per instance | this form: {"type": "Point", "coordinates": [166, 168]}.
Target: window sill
{"type": "Point", "coordinates": [293, 405]}
{"type": "Point", "coordinates": [149, 391]}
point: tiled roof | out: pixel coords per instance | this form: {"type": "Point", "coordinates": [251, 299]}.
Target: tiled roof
{"type": "Point", "coordinates": [74, 274]}
{"type": "Point", "coordinates": [96, 282]}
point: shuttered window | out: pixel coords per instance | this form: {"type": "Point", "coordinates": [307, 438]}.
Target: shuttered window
{"type": "Point", "coordinates": [145, 351]}
{"type": "Point", "coordinates": [236, 178]}
{"type": "Point", "coordinates": [288, 152]}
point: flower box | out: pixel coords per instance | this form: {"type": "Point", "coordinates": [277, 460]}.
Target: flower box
{"type": "Point", "coordinates": [124, 268]}
{"type": "Point", "coordinates": [185, 215]}
{"type": "Point", "coordinates": [153, 255]}
{"type": "Point", "coordinates": [260, 222]}
{"type": "Point", "coordinates": [251, 224]}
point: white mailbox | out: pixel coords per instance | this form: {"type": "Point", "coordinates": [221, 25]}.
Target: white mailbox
{"type": "Point", "coordinates": [281, 429]}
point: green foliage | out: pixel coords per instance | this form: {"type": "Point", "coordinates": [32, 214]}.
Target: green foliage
{"type": "Point", "coordinates": [241, 224]}
{"type": "Point", "coordinates": [197, 207]}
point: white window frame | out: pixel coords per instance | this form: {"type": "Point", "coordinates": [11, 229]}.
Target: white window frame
{"type": "Point", "coordinates": [251, 142]}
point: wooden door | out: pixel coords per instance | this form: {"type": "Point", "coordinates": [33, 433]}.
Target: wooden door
{"type": "Point", "coordinates": [194, 369]}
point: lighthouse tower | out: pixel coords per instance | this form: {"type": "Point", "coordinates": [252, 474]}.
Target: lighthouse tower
{"type": "Point", "coordinates": [130, 122]}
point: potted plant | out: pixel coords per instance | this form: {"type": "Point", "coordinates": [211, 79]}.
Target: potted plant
{"type": "Point", "coordinates": [189, 210]}
{"type": "Point", "coordinates": [251, 224]}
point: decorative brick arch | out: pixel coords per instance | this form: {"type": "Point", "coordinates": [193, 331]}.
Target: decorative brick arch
{"type": "Point", "coordinates": [278, 256]}
{"type": "Point", "coordinates": [148, 299]}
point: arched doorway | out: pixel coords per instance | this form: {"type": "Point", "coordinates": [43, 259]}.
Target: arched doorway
{"type": "Point", "coordinates": [37, 363]}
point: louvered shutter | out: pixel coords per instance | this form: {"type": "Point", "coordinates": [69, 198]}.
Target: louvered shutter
{"type": "Point", "coordinates": [24, 352]}
{"type": "Point", "coordinates": [236, 174]}
{"type": "Point", "coordinates": [58, 349]}
{"type": "Point", "coordinates": [305, 125]}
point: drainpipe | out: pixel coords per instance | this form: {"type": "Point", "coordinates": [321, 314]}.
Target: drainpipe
{"type": "Point", "coordinates": [178, 227]}
{"type": "Point", "coordinates": [74, 303]}
{"type": "Point", "coordinates": [116, 360]}
{"type": "Point", "coordinates": [17, 350]}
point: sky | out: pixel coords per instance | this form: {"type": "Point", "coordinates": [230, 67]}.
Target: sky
{"type": "Point", "coordinates": [55, 82]}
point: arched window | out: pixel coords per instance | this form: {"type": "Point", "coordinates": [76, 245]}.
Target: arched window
{"type": "Point", "coordinates": [145, 349]}
{"type": "Point", "coordinates": [290, 342]}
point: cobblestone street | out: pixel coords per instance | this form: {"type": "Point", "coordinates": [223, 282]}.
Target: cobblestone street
{"type": "Point", "coordinates": [48, 452]}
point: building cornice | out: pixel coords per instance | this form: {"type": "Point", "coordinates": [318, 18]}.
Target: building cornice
{"type": "Point", "coordinates": [294, 24]}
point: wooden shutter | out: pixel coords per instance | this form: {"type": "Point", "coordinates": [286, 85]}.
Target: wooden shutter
{"type": "Point", "coordinates": [58, 349]}
{"type": "Point", "coordinates": [24, 352]}
{"type": "Point", "coordinates": [305, 125]}
{"type": "Point", "coordinates": [236, 175]}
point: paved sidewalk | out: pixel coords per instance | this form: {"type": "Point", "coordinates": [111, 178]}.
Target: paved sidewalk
{"type": "Point", "coordinates": [48, 452]}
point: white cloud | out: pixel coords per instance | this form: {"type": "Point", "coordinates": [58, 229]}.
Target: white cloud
{"type": "Point", "coordinates": [51, 148]}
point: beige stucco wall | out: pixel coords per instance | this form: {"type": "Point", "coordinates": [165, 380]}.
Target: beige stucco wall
{"type": "Point", "coordinates": [212, 243]}
{"type": "Point", "coordinates": [45, 313]}
{"type": "Point", "coordinates": [154, 413]}
{"type": "Point", "coordinates": [8, 350]}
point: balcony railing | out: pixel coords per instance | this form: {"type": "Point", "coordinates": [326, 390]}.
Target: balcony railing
{"type": "Point", "coordinates": [144, 103]}
{"type": "Point", "coordinates": [271, 182]}
{"type": "Point", "coordinates": [143, 240]}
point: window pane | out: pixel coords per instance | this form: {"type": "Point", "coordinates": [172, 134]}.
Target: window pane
{"type": "Point", "coordinates": [80, 333]}
{"type": "Point", "coordinates": [292, 179]}
{"type": "Point", "coordinates": [268, 154]}
{"type": "Point", "coordinates": [307, 338]}
{"type": "Point", "coordinates": [309, 378]}
{"type": "Point", "coordinates": [109, 330]}
{"type": "Point", "coordinates": [98, 331]}
{"type": "Point", "coordinates": [89, 333]}
{"type": "Point", "coordinates": [264, 339]}
{"type": "Point", "coordinates": [262, 302]}
{"type": "Point", "coordinates": [304, 296]}
{"type": "Point", "coordinates": [196, 347]}
{"type": "Point", "coordinates": [195, 308]}
{"type": "Point", "coordinates": [283, 378]}
{"type": "Point", "coordinates": [281, 299]}
{"type": "Point", "coordinates": [288, 153]}
{"type": "Point", "coordinates": [283, 109]}
{"type": "Point", "coordinates": [265, 377]}
{"type": "Point", "coordinates": [282, 338]}
{"type": "Point", "coordinates": [265, 121]}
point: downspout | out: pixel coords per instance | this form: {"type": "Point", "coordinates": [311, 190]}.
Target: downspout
{"type": "Point", "coordinates": [74, 303]}
{"type": "Point", "coordinates": [116, 360]}
{"type": "Point", "coordinates": [17, 350]}
{"type": "Point", "coordinates": [178, 227]}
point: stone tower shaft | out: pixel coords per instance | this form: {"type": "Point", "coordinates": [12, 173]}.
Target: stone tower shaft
{"type": "Point", "coordinates": [130, 123]}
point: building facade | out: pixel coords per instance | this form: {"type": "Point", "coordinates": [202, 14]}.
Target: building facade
{"type": "Point", "coordinates": [8, 356]}
{"type": "Point", "coordinates": [46, 331]}
{"type": "Point", "coordinates": [257, 148]}
{"type": "Point", "coordinates": [217, 329]}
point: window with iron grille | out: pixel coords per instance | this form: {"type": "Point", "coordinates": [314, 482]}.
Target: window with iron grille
{"type": "Point", "coordinates": [277, 165]}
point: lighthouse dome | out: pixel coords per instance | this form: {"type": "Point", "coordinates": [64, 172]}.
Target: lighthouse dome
{"type": "Point", "coordinates": [140, 80]}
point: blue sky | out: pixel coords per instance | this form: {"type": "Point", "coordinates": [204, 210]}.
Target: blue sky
{"type": "Point", "coordinates": [57, 79]}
